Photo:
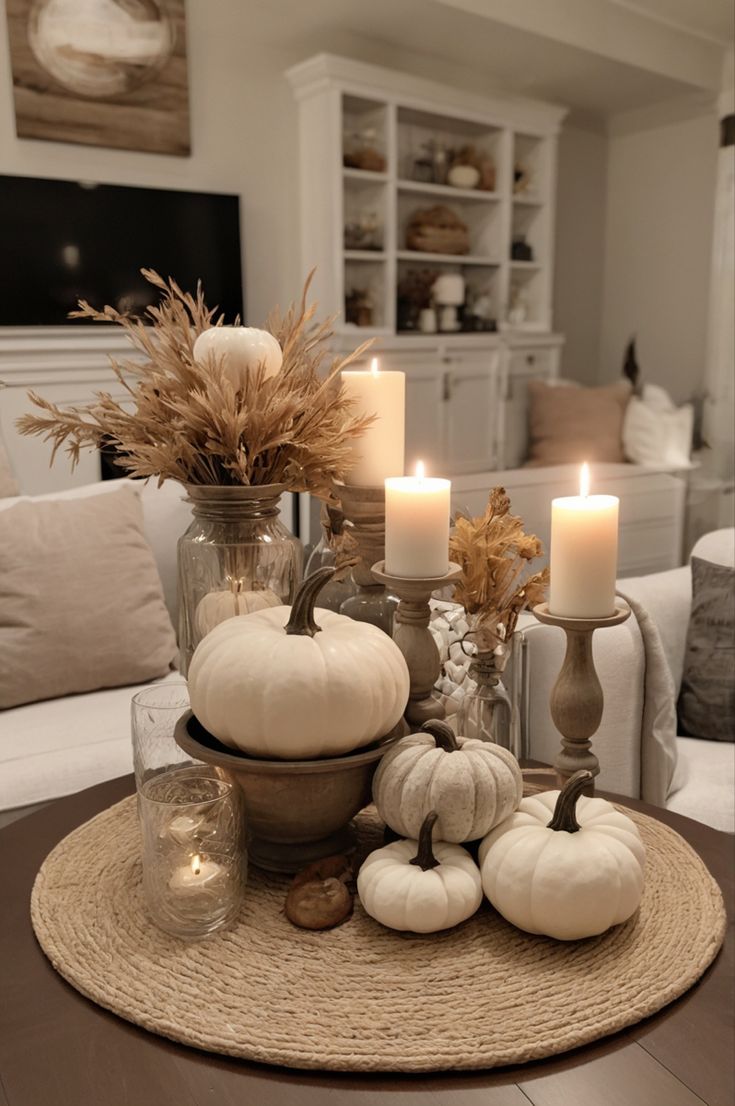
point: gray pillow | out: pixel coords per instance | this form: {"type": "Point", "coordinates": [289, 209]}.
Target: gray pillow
{"type": "Point", "coordinates": [707, 698]}
{"type": "Point", "coordinates": [81, 603]}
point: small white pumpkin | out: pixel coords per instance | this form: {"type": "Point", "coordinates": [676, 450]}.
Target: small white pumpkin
{"type": "Point", "coordinates": [295, 682]}
{"type": "Point", "coordinates": [417, 886]}
{"type": "Point", "coordinates": [472, 785]}
{"type": "Point", "coordinates": [216, 606]}
{"type": "Point", "coordinates": [563, 872]}
{"type": "Point", "coordinates": [241, 349]}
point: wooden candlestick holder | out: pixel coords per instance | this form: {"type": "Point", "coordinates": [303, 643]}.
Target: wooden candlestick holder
{"type": "Point", "coordinates": [413, 637]}
{"type": "Point", "coordinates": [576, 698]}
{"type": "Point", "coordinates": [364, 508]}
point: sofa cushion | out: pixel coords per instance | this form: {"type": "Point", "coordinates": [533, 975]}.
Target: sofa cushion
{"type": "Point", "coordinates": [81, 605]}
{"type": "Point", "coordinates": [574, 424]}
{"type": "Point", "coordinates": [707, 773]}
{"type": "Point", "coordinates": [707, 698]}
{"type": "Point", "coordinates": [60, 746]}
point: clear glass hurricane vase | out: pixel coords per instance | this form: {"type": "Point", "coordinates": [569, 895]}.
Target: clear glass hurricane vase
{"type": "Point", "coordinates": [487, 711]}
{"type": "Point", "coordinates": [235, 557]}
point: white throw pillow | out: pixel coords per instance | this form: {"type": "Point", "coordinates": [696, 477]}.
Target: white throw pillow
{"type": "Point", "coordinates": [656, 433]}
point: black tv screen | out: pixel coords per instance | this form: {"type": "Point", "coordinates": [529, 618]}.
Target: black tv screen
{"type": "Point", "coordinates": [61, 241]}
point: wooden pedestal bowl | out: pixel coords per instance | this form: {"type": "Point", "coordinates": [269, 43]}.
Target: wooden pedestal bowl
{"type": "Point", "coordinates": [297, 810]}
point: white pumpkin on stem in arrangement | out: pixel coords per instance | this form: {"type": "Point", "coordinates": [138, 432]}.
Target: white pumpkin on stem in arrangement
{"type": "Point", "coordinates": [563, 865]}
{"type": "Point", "coordinates": [241, 350]}
{"type": "Point", "coordinates": [420, 886]}
{"type": "Point", "coordinates": [298, 682]}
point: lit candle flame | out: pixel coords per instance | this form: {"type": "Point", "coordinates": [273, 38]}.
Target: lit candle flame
{"type": "Point", "coordinates": [584, 481]}
{"type": "Point", "coordinates": [374, 366]}
{"type": "Point", "coordinates": [196, 865]}
{"type": "Point", "coordinates": [420, 470]}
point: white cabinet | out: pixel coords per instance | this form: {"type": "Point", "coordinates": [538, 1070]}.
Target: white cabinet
{"type": "Point", "coordinates": [371, 144]}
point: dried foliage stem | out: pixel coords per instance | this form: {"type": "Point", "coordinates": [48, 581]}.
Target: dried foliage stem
{"type": "Point", "coordinates": [496, 583]}
{"type": "Point", "coordinates": [185, 420]}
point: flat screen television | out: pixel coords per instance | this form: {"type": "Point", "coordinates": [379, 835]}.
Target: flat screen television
{"type": "Point", "coordinates": [65, 240]}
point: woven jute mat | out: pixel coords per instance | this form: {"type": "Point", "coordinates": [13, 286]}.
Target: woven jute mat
{"type": "Point", "coordinates": [361, 997]}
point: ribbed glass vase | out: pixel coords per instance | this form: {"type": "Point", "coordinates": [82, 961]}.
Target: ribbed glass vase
{"type": "Point", "coordinates": [236, 557]}
{"type": "Point", "coordinates": [487, 711]}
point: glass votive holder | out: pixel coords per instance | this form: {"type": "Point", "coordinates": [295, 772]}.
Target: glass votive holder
{"type": "Point", "coordinates": [194, 851]}
{"type": "Point", "coordinates": [153, 715]}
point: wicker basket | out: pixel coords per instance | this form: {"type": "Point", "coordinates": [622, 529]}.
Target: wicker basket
{"type": "Point", "coordinates": [437, 230]}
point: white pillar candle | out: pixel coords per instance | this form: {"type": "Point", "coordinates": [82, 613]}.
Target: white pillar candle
{"type": "Point", "coordinates": [417, 525]}
{"type": "Point", "coordinates": [584, 553]}
{"type": "Point", "coordinates": [379, 452]}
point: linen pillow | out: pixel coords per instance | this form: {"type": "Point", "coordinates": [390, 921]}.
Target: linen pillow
{"type": "Point", "coordinates": [81, 605]}
{"type": "Point", "coordinates": [707, 697]}
{"type": "Point", "coordinates": [656, 433]}
{"type": "Point", "coordinates": [574, 424]}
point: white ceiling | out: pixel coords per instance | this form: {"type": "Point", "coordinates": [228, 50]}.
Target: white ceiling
{"type": "Point", "coordinates": [598, 57]}
{"type": "Point", "coordinates": [712, 19]}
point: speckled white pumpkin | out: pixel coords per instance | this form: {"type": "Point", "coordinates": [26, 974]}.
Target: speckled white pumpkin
{"type": "Point", "coordinates": [241, 349]}
{"type": "Point", "coordinates": [472, 785]}
{"type": "Point", "coordinates": [546, 876]}
{"type": "Point", "coordinates": [419, 885]}
{"type": "Point", "coordinates": [298, 682]}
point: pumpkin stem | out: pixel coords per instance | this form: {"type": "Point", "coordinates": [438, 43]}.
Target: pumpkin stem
{"type": "Point", "coordinates": [564, 816]}
{"type": "Point", "coordinates": [302, 611]}
{"type": "Point", "coordinates": [442, 733]}
{"type": "Point", "coordinates": [425, 857]}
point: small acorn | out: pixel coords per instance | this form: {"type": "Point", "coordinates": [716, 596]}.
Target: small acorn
{"type": "Point", "coordinates": [318, 897]}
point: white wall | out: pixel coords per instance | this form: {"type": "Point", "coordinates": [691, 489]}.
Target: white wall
{"type": "Point", "coordinates": [660, 203]}
{"type": "Point", "coordinates": [580, 239]}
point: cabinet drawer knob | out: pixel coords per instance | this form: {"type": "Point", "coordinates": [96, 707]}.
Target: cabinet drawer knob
{"type": "Point", "coordinates": [530, 359]}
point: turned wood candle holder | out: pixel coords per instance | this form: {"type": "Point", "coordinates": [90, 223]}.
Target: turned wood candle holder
{"type": "Point", "coordinates": [413, 637]}
{"type": "Point", "coordinates": [364, 508]}
{"type": "Point", "coordinates": [576, 698]}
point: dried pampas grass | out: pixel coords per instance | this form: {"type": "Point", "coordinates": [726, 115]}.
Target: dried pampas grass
{"type": "Point", "coordinates": [185, 421]}
{"type": "Point", "coordinates": [496, 585]}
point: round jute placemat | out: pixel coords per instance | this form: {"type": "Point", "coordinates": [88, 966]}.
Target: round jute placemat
{"type": "Point", "coordinates": [361, 997]}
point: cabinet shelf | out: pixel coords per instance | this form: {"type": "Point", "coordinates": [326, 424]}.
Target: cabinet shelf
{"type": "Point", "coordinates": [448, 192]}
{"type": "Point", "coordinates": [364, 255]}
{"type": "Point", "coordinates": [364, 175]}
{"type": "Point", "coordinates": [447, 258]}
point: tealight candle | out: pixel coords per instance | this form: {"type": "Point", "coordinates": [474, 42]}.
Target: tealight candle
{"type": "Point", "coordinates": [182, 828]}
{"type": "Point", "coordinates": [584, 553]}
{"type": "Point", "coordinates": [198, 876]}
{"type": "Point", "coordinates": [379, 452]}
{"type": "Point", "coordinates": [417, 525]}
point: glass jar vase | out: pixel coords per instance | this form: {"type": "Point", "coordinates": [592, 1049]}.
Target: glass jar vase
{"type": "Point", "coordinates": [487, 711]}
{"type": "Point", "coordinates": [235, 558]}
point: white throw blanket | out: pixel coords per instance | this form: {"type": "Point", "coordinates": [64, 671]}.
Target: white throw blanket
{"type": "Point", "coordinates": [658, 725]}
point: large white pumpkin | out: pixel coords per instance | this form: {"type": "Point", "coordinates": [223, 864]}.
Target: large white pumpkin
{"type": "Point", "coordinates": [216, 606]}
{"type": "Point", "coordinates": [295, 682]}
{"type": "Point", "coordinates": [419, 885]}
{"type": "Point", "coordinates": [241, 349]}
{"type": "Point", "coordinates": [567, 875]}
{"type": "Point", "coordinates": [472, 785]}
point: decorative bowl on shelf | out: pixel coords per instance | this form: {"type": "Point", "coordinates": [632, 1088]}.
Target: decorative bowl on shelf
{"type": "Point", "coordinates": [463, 176]}
{"type": "Point", "coordinates": [297, 810]}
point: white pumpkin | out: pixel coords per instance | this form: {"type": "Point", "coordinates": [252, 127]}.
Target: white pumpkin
{"type": "Point", "coordinates": [420, 886]}
{"type": "Point", "coordinates": [241, 349]}
{"type": "Point", "coordinates": [216, 606]}
{"type": "Point", "coordinates": [550, 871]}
{"type": "Point", "coordinates": [472, 785]}
{"type": "Point", "coordinates": [295, 682]}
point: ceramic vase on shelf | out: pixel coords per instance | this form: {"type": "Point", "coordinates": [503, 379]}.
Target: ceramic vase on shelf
{"type": "Point", "coordinates": [235, 557]}
{"type": "Point", "coordinates": [486, 711]}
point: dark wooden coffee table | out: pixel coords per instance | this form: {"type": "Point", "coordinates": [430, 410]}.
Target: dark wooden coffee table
{"type": "Point", "coordinates": [58, 1049]}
